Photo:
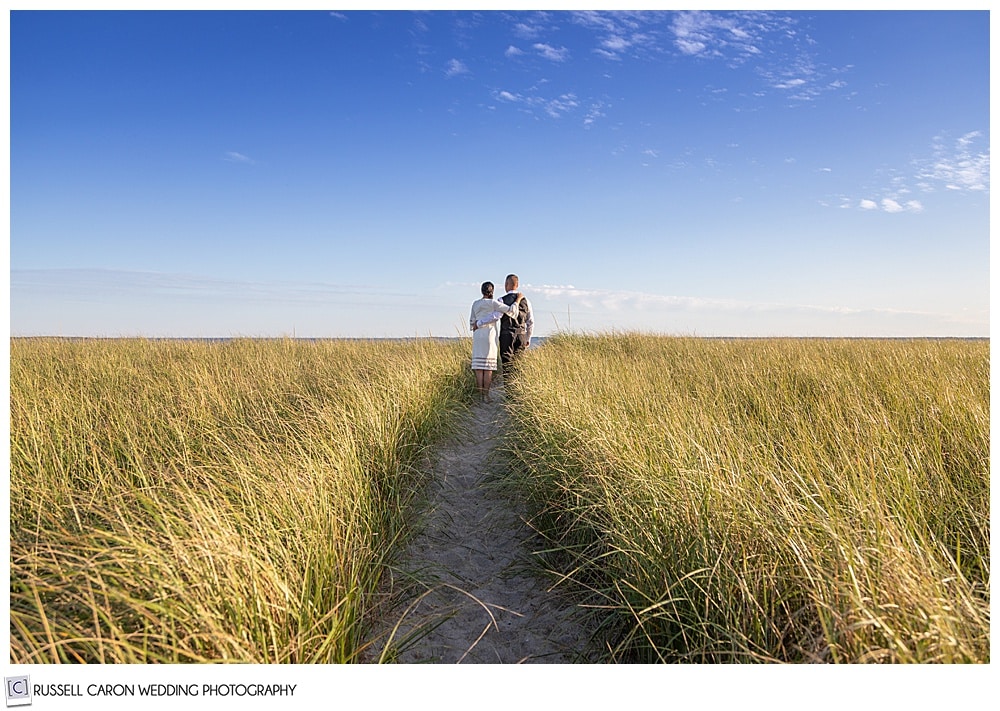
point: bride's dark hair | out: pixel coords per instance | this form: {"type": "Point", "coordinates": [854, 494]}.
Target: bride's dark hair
{"type": "Point", "coordinates": [487, 289]}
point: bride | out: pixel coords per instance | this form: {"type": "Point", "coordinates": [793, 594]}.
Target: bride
{"type": "Point", "coordinates": [483, 320]}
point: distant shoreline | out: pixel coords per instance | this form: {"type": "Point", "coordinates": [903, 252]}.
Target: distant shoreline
{"type": "Point", "coordinates": [536, 341]}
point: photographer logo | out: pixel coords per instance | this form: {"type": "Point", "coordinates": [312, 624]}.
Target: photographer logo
{"type": "Point", "coordinates": [18, 691]}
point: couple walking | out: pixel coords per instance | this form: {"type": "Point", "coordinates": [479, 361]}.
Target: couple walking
{"type": "Point", "coordinates": [499, 327]}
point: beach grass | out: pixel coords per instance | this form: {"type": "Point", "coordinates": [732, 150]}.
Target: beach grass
{"type": "Point", "coordinates": [763, 500]}
{"type": "Point", "coordinates": [229, 501]}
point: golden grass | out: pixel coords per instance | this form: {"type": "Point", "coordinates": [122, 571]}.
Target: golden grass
{"type": "Point", "coordinates": [195, 501]}
{"type": "Point", "coordinates": [766, 499]}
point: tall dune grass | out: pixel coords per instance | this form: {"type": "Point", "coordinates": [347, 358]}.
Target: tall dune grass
{"type": "Point", "coordinates": [231, 501]}
{"type": "Point", "coordinates": [765, 500]}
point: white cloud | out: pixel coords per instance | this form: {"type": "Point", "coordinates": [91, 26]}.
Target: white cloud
{"type": "Point", "coordinates": [109, 302]}
{"type": "Point", "coordinates": [619, 32]}
{"type": "Point", "coordinates": [630, 301]}
{"type": "Point", "coordinates": [513, 51]}
{"type": "Point", "coordinates": [692, 31]}
{"type": "Point", "coordinates": [781, 55]}
{"type": "Point", "coordinates": [559, 106]}
{"type": "Point", "coordinates": [555, 108]}
{"type": "Point", "coordinates": [595, 112]}
{"type": "Point", "coordinates": [455, 68]}
{"type": "Point", "coordinates": [889, 205]}
{"type": "Point", "coordinates": [791, 84]}
{"type": "Point", "coordinates": [234, 157]}
{"type": "Point", "coordinates": [595, 20]}
{"type": "Point", "coordinates": [616, 43]}
{"type": "Point", "coordinates": [961, 167]}
{"type": "Point", "coordinates": [551, 53]}
{"type": "Point", "coordinates": [689, 46]}
{"type": "Point", "coordinates": [526, 30]}
{"type": "Point", "coordinates": [112, 284]}
{"type": "Point", "coordinates": [736, 36]}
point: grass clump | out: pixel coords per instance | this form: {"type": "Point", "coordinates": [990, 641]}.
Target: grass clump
{"type": "Point", "coordinates": [765, 499]}
{"type": "Point", "coordinates": [177, 501]}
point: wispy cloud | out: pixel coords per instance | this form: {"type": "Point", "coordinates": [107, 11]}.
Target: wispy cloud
{"type": "Point", "coordinates": [569, 306]}
{"type": "Point", "coordinates": [771, 43]}
{"type": "Point", "coordinates": [124, 300]}
{"type": "Point", "coordinates": [111, 302]}
{"type": "Point", "coordinates": [736, 36]}
{"type": "Point", "coordinates": [555, 54]}
{"type": "Point", "coordinates": [800, 80]}
{"type": "Point", "coordinates": [555, 107]}
{"type": "Point", "coordinates": [234, 157]}
{"type": "Point", "coordinates": [890, 205]}
{"type": "Point", "coordinates": [595, 112]}
{"type": "Point", "coordinates": [615, 44]}
{"type": "Point", "coordinates": [622, 33]}
{"type": "Point", "coordinates": [962, 165]}
{"type": "Point", "coordinates": [790, 84]}
{"type": "Point", "coordinates": [603, 21]}
{"type": "Point", "coordinates": [455, 68]}
{"type": "Point", "coordinates": [531, 28]}
{"type": "Point", "coordinates": [101, 285]}
{"type": "Point", "coordinates": [561, 105]}
{"type": "Point", "coordinates": [619, 301]}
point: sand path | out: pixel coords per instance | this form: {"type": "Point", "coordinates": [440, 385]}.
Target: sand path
{"type": "Point", "coordinates": [465, 588]}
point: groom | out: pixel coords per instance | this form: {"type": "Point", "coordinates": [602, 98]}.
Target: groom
{"type": "Point", "coordinates": [515, 333]}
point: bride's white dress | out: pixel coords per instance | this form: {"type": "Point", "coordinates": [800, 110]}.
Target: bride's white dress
{"type": "Point", "coordinates": [485, 339]}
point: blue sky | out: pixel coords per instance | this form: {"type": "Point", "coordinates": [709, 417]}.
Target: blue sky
{"type": "Point", "coordinates": [356, 173]}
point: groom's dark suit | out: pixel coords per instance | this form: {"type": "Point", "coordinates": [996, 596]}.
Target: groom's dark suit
{"type": "Point", "coordinates": [513, 333]}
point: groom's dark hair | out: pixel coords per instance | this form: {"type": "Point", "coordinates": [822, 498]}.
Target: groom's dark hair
{"type": "Point", "coordinates": [512, 278]}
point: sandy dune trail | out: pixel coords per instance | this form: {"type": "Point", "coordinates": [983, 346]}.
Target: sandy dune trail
{"type": "Point", "coordinates": [470, 595]}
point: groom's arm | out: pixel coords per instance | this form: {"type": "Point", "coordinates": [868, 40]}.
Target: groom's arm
{"type": "Point", "coordinates": [499, 311]}
{"type": "Point", "coordinates": [492, 318]}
